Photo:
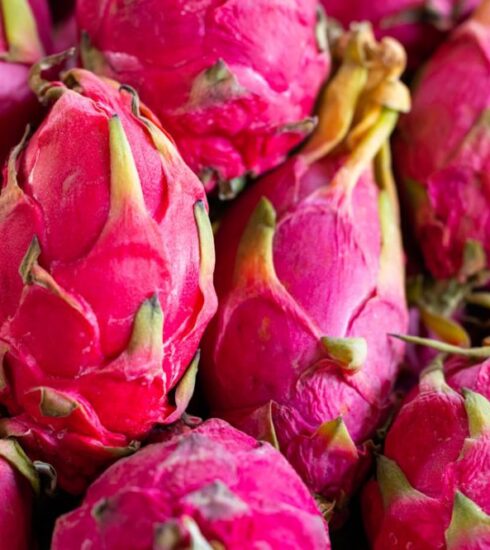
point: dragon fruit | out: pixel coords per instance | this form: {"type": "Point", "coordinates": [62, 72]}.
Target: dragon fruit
{"type": "Point", "coordinates": [310, 279]}
{"type": "Point", "coordinates": [212, 488]}
{"type": "Point", "coordinates": [24, 37]}
{"type": "Point", "coordinates": [443, 153]}
{"type": "Point", "coordinates": [234, 82]}
{"type": "Point", "coordinates": [18, 484]}
{"type": "Point", "coordinates": [420, 25]}
{"type": "Point", "coordinates": [433, 482]}
{"type": "Point", "coordinates": [106, 265]}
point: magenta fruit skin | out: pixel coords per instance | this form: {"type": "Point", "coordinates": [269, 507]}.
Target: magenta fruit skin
{"type": "Point", "coordinates": [214, 485]}
{"type": "Point", "coordinates": [233, 82]}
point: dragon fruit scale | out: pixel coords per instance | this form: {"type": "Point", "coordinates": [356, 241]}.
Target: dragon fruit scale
{"type": "Point", "coordinates": [443, 153]}
{"type": "Point", "coordinates": [420, 25]}
{"type": "Point", "coordinates": [213, 488]}
{"type": "Point", "coordinates": [19, 482]}
{"type": "Point", "coordinates": [234, 82]}
{"type": "Point", "coordinates": [436, 494]}
{"type": "Point", "coordinates": [310, 279]}
{"type": "Point", "coordinates": [106, 265]}
{"type": "Point", "coordinates": [24, 38]}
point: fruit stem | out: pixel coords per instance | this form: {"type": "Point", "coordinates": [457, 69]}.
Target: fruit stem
{"type": "Point", "coordinates": [471, 353]}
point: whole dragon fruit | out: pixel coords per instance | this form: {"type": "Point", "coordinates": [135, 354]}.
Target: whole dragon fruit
{"type": "Point", "coordinates": [433, 482]}
{"type": "Point", "coordinates": [18, 484]}
{"type": "Point", "coordinates": [443, 153]}
{"type": "Point", "coordinates": [24, 37]}
{"type": "Point", "coordinates": [106, 265]}
{"type": "Point", "coordinates": [212, 488]}
{"type": "Point", "coordinates": [420, 25]}
{"type": "Point", "coordinates": [310, 280]}
{"type": "Point", "coordinates": [234, 82]}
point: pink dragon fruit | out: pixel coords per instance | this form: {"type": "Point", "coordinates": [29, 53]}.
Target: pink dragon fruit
{"type": "Point", "coordinates": [443, 153]}
{"type": "Point", "coordinates": [106, 265]}
{"type": "Point", "coordinates": [18, 483]}
{"type": "Point", "coordinates": [433, 482]}
{"type": "Point", "coordinates": [210, 489]}
{"type": "Point", "coordinates": [420, 25]}
{"type": "Point", "coordinates": [310, 280]}
{"type": "Point", "coordinates": [24, 36]}
{"type": "Point", "coordinates": [234, 82]}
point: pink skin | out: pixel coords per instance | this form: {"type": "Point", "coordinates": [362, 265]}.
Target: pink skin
{"type": "Point", "coordinates": [404, 20]}
{"type": "Point", "coordinates": [269, 47]}
{"type": "Point", "coordinates": [448, 460]}
{"type": "Point", "coordinates": [216, 475]}
{"type": "Point", "coordinates": [327, 266]}
{"type": "Point", "coordinates": [444, 145]}
{"type": "Point", "coordinates": [18, 105]}
{"type": "Point", "coordinates": [108, 262]}
{"type": "Point", "coordinates": [15, 515]}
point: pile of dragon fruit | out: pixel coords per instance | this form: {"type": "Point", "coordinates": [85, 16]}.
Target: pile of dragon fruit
{"type": "Point", "coordinates": [245, 274]}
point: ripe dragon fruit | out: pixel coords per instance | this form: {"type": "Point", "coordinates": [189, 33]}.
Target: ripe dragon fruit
{"type": "Point", "coordinates": [420, 25]}
{"type": "Point", "coordinates": [213, 488]}
{"type": "Point", "coordinates": [24, 36]}
{"type": "Point", "coordinates": [18, 484]}
{"type": "Point", "coordinates": [443, 153]}
{"type": "Point", "coordinates": [310, 280]}
{"type": "Point", "coordinates": [433, 482]}
{"type": "Point", "coordinates": [106, 265]}
{"type": "Point", "coordinates": [234, 82]}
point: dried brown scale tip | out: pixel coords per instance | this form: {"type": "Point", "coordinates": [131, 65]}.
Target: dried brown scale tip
{"type": "Point", "coordinates": [47, 90]}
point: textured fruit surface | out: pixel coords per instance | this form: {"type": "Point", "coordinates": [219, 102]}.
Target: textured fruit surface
{"type": "Point", "coordinates": [420, 25]}
{"type": "Point", "coordinates": [443, 153]}
{"type": "Point", "coordinates": [106, 263]}
{"type": "Point", "coordinates": [212, 488]}
{"type": "Point", "coordinates": [24, 38]}
{"type": "Point", "coordinates": [18, 481]}
{"type": "Point", "coordinates": [309, 268]}
{"type": "Point", "coordinates": [433, 482]}
{"type": "Point", "coordinates": [234, 82]}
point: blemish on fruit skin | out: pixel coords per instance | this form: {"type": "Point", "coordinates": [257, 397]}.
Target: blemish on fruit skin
{"type": "Point", "coordinates": [344, 409]}
{"type": "Point", "coordinates": [265, 330]}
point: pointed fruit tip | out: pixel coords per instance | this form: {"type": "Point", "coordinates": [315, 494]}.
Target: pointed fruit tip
{"type": "Point", "coordinates": [148, 326]}
{"type": "Point", "coordinates": [125, 181]}
{"type": "Point", "coordinates": [255, 256]}
{"type": "Point", "coordinates": [392, 481]}
{"type": "Point", "coordinates": [336, 436]}
{"type": "Point", "coordinates": [478, 410]}
{"type": "Point", "coordinates": [349, 353]}
{"type": "Point", "coordinates": [468, 522]}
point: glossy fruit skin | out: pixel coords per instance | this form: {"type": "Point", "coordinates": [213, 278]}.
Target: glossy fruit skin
{"type": "Point", "coordinates": [18, 105]}
{"type": "Point", "coordinates": [116, 257]}
{"type": "Point", "coordinates": [442, 155]}
{"type": "Point", "coordinates": [233, 82]}
{"type": "Point", "coordinates": [299, 271]}
{"type": "Point", "coordinates": [17, 478]}
{"type": "Point", "coordinates": [434, 495]}
{"type": "Point", "coordinates": [214, 485]}
{"type": "Point", "coordinates": [420, 25]}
